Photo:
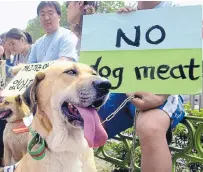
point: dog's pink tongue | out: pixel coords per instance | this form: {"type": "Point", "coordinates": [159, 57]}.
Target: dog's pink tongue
{"type": "Point", "coordinates": [2, 114]}
{"type": "Point", "coordinates": [94, 132]}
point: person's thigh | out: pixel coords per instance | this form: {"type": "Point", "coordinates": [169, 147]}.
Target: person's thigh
{"type": "Point", "coordinates": [162, 119]}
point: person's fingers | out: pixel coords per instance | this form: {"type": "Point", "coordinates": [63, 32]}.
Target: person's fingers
{"type": "Point", "coordinates": [130, 9]}
{"type": "Point", "coordinates": [120, 10]}
{"type": "Point", "coordinates": [124, 10]}
{"type": "Point", "coordinates": [129, 94]}
{"type": "Point", "coordinates": [141, 94]}
{"type": "Point", "coordinates": [138, 103]}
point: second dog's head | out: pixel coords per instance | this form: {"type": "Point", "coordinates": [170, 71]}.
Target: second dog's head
{"type": "Point", "coordinates": [12, 108]}
{"type": "Point", "coordinates": [64, 98]}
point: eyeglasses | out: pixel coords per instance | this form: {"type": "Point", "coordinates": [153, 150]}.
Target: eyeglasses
{"type": "Point", "coordinates": [49, 15]}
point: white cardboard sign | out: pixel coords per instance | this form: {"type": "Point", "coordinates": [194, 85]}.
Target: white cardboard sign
{"type": "Point", "coordinates": [3, 74]}
{"type": "Point", "coordinates": [24, 78]}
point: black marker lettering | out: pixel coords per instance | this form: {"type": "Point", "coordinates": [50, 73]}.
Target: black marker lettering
{"type": "Point", "coordinates": [95, 67]}
{"type": "Point", "coordinates": [180, 72]}
{"type": "Point", "coordinates": [118, 73]}
{"type": "Point", "coordinates": [121, 34]}
{"type": "Point", "coordinates": [162, 69]}
{"type": "Point", "coordinates": [191, 69]}
{"type": "Point", "coordinates": [105, 71]}
{"type": "Point", "coordinates": [145, 72]}
{"type": "Point", "coordinates": [158, 41]}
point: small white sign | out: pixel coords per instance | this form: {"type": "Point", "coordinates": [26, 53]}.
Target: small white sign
{"type": "Point", "coordinates": [24, 78]}
{"type": "Point", "coordinates": [3, 74]}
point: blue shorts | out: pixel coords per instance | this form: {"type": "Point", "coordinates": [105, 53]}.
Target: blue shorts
{"type": "Point", "coordinates": [124, 118]}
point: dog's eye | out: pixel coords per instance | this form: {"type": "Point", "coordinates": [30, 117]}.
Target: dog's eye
{"type": "Point", "coordinates": [6, 103]}
{"type": "Point", "coordinates": [94, 73]}
{"type": "Point", "coordinates": [71, 72]}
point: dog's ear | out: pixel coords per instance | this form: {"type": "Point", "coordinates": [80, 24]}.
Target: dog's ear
{"type": "Point", "coordinates": [18, 99]}
{"type": "Point", "coordinates": [29, 96]}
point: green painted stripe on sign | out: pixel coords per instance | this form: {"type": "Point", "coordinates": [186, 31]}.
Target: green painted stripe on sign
{"type": "Point", "coordinates": [169, 71]}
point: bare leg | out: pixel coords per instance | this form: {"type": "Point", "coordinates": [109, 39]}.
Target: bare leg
{"type": "Point", "coordinates": [151, 128]}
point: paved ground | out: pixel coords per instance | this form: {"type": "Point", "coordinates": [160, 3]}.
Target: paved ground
{"type": "Point", "coordinates": [103, 166]}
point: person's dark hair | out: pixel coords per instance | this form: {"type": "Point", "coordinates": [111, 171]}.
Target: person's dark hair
{"type": "Point", "coordinates": [54, 4]}
{"type": "Point", "coordinates": [29, 37]}
{"type": "Point", "coordinates": [15, 33]}
{"type": "Point", "coordinates": [2, 38]}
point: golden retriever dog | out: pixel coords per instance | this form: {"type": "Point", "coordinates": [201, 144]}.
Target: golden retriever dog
{"type": "Point", "coordinates": [63, 99]}
{"type": "Point", "coordinates": [15, 136]}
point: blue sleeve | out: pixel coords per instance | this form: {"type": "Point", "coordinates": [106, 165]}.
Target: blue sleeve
{"type": "Point", "coordinates": [8, 65]}
{"type": "Point", "coordinates": [33, 55]}
{"type": "Point", "coordinates": [123, 119]}
{"type": "Point", "coordinates": [8, 62]}
{"type": "Point", "coordinates": [68, 45]}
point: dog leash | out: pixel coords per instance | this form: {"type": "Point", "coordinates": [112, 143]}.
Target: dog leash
{"type": "Point", "coordinates": [112, 115]}
{"type": "Point", "coordinates": [38, 154]}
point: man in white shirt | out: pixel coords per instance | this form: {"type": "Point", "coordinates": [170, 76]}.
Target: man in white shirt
{"type": "Point", "coordinates": [58, 42]}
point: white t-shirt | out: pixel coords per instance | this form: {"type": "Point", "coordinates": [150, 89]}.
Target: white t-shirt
{"type": "Point", "coordinates": [61, 43]}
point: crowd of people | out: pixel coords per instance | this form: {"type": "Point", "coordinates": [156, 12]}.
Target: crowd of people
{"type": "Point", "coordinates": [159, 113]}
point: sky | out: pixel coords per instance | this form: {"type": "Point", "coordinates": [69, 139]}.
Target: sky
{"type": "Point", "coordinates": [18, 13]}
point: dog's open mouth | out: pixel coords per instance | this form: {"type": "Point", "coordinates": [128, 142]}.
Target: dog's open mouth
{"type": "Point", "coordinates": [4, 114]}
{"type": "Point", "coordinates": [88, 119]}
{"type": "Point", "coordinates": [73, 115]}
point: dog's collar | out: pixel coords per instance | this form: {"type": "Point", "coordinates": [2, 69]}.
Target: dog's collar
{"type": "Point", "coordinates": [17, 121]}
{"type": "Point", "coordinates": [20, 129]}
{"type": "Point", "coordinates": [39, 154]}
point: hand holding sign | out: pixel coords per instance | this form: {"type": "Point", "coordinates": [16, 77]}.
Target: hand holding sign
{"type": "Point", "coordinates": [15, 69]}
{"type": "Point", "coordinates": [126, 9]}
{"type": "Point", "coordinates": [153, 55]}
{"type": "Point", "coordinates": [147, 100]}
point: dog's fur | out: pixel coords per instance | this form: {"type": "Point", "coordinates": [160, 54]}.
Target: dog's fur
{"type": "Point", "coordinates": [67, 149]}
{"type": "Point", "coordinates": [15, 145]}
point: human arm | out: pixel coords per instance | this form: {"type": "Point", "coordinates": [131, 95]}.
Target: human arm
{"type": "Point", "coordinates": [33, 54]}
{"type": "Point", "coordinates": [147, 100]}
{"type": "Point", "coordinates": [68, 49]}
{"type": "Point", "coordinates": [1, 52]}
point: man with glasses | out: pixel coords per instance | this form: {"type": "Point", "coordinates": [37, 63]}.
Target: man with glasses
{"type": "Point", "coordinates": [58, 42]}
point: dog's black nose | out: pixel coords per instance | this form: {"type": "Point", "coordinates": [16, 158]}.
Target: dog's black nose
{"type": "Point", "coordinates": [102, 85]}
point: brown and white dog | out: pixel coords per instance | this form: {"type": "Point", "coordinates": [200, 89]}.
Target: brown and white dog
{"type": "Point", "coordinates": [15, 136]}
{"type": "Point", "coordinates": [64, 98]}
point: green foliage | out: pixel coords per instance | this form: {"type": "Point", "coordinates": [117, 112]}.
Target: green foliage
{"type": "Point", "coordinates": [193, 112]}
{"type": "Point", "coordinates": [109, 6]}
{"type": "Point", "coordinates": [63, 21]}
{"type": "Point", "coordinates": [35, 29]}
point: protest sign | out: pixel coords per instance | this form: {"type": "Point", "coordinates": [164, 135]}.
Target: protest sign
{"type": "Point", "coordinates": [24, 78]}
{"type": "Point", "coordinates": [2, 74]}
{"type": "Point", "coordinates": [158, 50]}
